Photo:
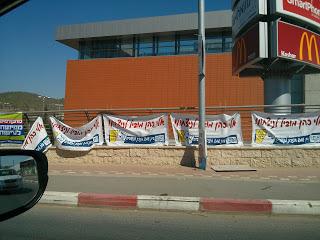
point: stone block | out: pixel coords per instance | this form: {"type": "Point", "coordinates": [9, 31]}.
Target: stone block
{"type": "Point", "coordinates": [107, 152]}
{"type": "Point", "coordinates": [294, 153]}
{"type": "Point", "coordinates": [261, 162]}
{"type": "Point", "coordinates": [165, 161]}
{"type": "Point", "coordinates": [302, 162]}
{"type": "Point", "coordinates": [224, 161]}
{"type": "Point", "coordinates": [157, 152]}
{"type": "Point", "coordinates": [240, 161]}
{"type": "Point", "coordinates": [281, 162]}
{"type": "Point", "coordinates": [251, 153]}
{"type": "Point", "coordinates": [316, 162]}
{"type": "Point", "coordinates": [230, 153]}
{"type": "Point", "coordinates": [212, 161]}
{"type": "Point", "coordinates": [181, 152]}
{"type": "Point", "coordinates": [312, 153]}
{"type": "Point", "coordinates": [272, 153]}
{"type": "Point", "coordinates": [214, 153]}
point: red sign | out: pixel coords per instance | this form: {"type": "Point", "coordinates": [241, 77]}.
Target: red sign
{"type": "Point", "coordinates": [249, 48]}
{"type": "Point", "coordinates": [305, 10]}
{"type": "Point", "coordinates": [298, 44]}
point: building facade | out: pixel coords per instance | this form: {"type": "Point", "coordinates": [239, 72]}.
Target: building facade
{"type": "Point", "coordinates": [152, 63]}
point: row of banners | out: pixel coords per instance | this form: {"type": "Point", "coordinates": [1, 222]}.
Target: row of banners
{"type": "Point", "coordinates": [267, 130]}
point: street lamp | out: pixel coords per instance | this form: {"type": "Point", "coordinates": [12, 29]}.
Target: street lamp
{"type": "Point", "coordinates": [43, 98]}
{"type": "Point", "coordinates": [202, 88]}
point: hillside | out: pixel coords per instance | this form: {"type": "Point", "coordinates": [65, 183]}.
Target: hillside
{"type": "Point", "coordinates": [24, 101]}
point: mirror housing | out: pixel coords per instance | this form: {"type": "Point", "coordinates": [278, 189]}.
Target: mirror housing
{"type": "Point", "coordinates": [41, 166]}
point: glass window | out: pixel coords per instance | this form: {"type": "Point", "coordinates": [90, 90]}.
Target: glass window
{"type": "Point", "coordinates": [188, 44]}
{"type": "Point", "coordinates": [166, 45]}
{"type": "Point", "coordinates": [127, 48]}
{"type": "Point", "coordinates": [214, 45]}
{"type": "Point", "coordinates": [227, 45]}
{"type": "Point", "coordinates": [145, 46]}
{"type": "Point", "coordinates": [84, 50]}
{"type": "Point", "coordinates": [214, 42]}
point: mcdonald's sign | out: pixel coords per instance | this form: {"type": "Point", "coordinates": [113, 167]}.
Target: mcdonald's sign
{"type": "Point", "coordinates": [297, 44]}
{"type": "Point", "coordinates": [250, 48]}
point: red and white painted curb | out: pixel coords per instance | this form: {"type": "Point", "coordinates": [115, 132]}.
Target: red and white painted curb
{"type": "Point", "coordinates": [182, 203]}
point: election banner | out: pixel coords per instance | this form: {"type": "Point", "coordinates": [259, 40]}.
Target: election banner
{"type": "Point", "coordinates": [128, 131]}
{"type": "Point", "coordinates": [37, 138]}
{"type": "Point", "coordinates": [11, 128]}
{"type": "Point", "coordinates": [290, 130]}
{"type": "Point", "coordinates": [78, 139]}
{"type": "Point", "coordinates": [220, 129]}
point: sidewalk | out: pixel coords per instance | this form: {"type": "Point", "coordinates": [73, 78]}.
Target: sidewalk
{"type": "Point", "coordinates": [268, 191]}
{"type": "Point", "coordinates": [279, 174]}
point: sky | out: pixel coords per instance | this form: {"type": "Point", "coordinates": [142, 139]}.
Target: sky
{"type": "Point", "coordinates": [30, 58]}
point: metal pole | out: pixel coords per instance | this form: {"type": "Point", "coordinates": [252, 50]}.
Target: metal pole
{"type": "Point", "coordinates": [277, 91]}
{"type": "Point", "coordinates": [202, 89]}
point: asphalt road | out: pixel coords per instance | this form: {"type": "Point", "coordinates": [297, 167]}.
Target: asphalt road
{"type": "Point", "coordinates": [12, 200]}
{"type": "Point", "coordinates": [48, 222]}
{"type": "Point", "coordinates": [186, 186]}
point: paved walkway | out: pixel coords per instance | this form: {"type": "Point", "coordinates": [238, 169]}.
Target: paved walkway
{"type": "Point", "coordinates": [279, 174]}
{"type": "Point", "coordinates": [284, 191]}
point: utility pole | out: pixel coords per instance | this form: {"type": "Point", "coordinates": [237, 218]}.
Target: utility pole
{"type": "Point", "coordinates": [202, 87]}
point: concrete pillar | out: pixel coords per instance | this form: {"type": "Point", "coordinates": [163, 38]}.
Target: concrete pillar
{"type": "Point", "coordinates": [277, 91]}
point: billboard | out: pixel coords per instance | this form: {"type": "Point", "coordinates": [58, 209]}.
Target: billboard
{"type": "Point", "coordinates": [11, 128]}
{"type": "Point", "coordinates": [250, 48]}
{"type": "Point", "coordinates": [304, 10]}
{"type": "Point", "coordinates": [296, 43]}
{"type": "Point", "coordinates": [245, 12]}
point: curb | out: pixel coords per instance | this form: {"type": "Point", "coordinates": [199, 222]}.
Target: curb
{"type": "Point", "coordinates": [262, 206]}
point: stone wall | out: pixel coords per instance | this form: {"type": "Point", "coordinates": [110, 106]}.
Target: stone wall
{"type": "Point", "coordinates": [173, 156]}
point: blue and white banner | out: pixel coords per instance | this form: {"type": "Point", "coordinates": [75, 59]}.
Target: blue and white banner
{"type": "Point", "coordinates": [220, 129]}
{"type": "Point", "coordinates": [295, 129]}
{"type": "Point", "coordinates": [37, 138]}
{"type": "Point", "coordinates": [132, 131]}
{"type": "Point", "coordinates": [77, 139]}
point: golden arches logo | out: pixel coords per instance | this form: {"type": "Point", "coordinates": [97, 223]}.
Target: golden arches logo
{"type": "Point", "coordinates": [311, 43]}
{"type": "Point", "coordinates": [241, 52]}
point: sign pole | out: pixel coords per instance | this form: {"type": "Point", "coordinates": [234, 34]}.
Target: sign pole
{"type": "Point", "coordinates": [277, 91]}
{"type": "Point", "coordinates": [202, 90]}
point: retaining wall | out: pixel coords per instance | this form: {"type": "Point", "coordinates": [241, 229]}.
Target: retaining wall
{"type": "Point", "coordinates": [187, 156]}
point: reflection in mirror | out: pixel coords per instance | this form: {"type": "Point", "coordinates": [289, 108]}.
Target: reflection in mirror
{"type": "Point", "coordinates": [18, 181]}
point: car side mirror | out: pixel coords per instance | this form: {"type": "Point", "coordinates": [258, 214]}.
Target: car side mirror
{"type": "Point", "coordinates": [23, 180]}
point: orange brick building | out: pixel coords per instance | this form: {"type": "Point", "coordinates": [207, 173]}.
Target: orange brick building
{"type": "Point", "coordinates": [156, 82]}
{"type": "Point", "coordinates": [152, 63]}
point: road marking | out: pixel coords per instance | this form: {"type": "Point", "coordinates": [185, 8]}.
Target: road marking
{"type": "Point", "coordinates": [284, 179]}
{"type": "Point", "coordinates": [265, 178]}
